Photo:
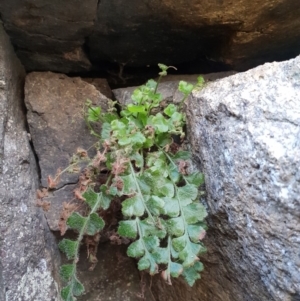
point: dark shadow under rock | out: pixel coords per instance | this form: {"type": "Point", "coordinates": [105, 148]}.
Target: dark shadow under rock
{"type": "Point", "coordinates": [115, 276]}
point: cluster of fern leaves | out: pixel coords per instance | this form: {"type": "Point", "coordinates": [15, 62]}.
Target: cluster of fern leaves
{"type": "Point", "coordinates": [162, 215]}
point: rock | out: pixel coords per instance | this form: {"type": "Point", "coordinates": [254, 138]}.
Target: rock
{"type": "Point", "coordinates": [55, 106]}
{"type": "Point", "coordinates": [55, 103]}
{"type": "Point", "coordinates": [101, 85]}
{"type": "Point", "coordinates": [58, 29]}
{"type": "Point", "coordinates": [245, 134]}
{"type": "Point", "coordinates": [28, 254]}
{"type": "Point", "coordinates": [115, 277]}
{"type": "Point", "coordinates": [168, 87]}
{"type": "Point", "coordinates": [63, 37]}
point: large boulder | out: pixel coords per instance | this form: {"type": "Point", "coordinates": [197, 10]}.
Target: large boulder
{"type": "Point", "coordinates": [28, 253]}
{"type": "Point", "coordinates": [245, 134]}
{"type": "Point", "coordinates": [55, 104]}
{"type": "Point", "coordinates": [60, 36]}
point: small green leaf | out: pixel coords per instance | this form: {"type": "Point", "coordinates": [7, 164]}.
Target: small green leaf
{"type": "Point", "coordinates": [191, 274]}
{"type": "Point", "coordinates": [76, 221]}
{"type": "Point", "coordinates": [187, 194]}
{"type": "Point", "coordinates": [177, 117]}
{"type": "Point", "coordinates": [196, 232]}
{"type": "Point", "coordinates": [128, 184]}
{"type": "Point", "coordinates": [95, 224]}
{"type": "Point", "coordinates": [133, 206]}
{"type": "Point", "coordinates": [149, 229]}
{"type": "Point", "coordinates": [119, 128]}
{"type": "Point", "coordinates": [156, 205]}
{"type": "Point", "coordinates": [196, 178]}
{"type": "Point", "coordinates": [91, 197]}
{"type": "Point", "coordinates": [163, 139]}
{"type": "Point", "coordinates": [143, 264]}
{"type": "Point", "coordinates": [137, 138]}
{"type": "Point", "coordinates": [175, 226]}
{"type": "Point", "coordinates": [179, 243]}
{"type": "Point", "coordinates": [151, 84]}
{"type": "Point", "coordinates": [170, 109]}
{"type": "Point", "coordinates": [136, 249]}
{"type": "Point", "coordinates": [109, 117]}
{"type": "Point", "coordinates": [176, 269]}
{"type": "Point", "coordinates": [67, 294]}
{"type": "Point", "coordinates": [148, 262]}
{"type": "Point", "coordinates": [194, 213]}
{"type": "Point", "coordinates": [182, 155]}
{"type": "Point", "coordinates": [128, 228]}
{"type": "Point", "coordinates": [78, 288]}
{"type": "Point", "coordinates": [67, 271]}
{"type": "Point", "coordinates": [104, 198]}
{"type": "Point", "coordinates": [161, 255]}
{"type": "Point", "coordinates": [138, 158]}
{"type": "Point", "coordinates": [151, 243]}
{"type": "Point", "coordinates": [200, 81]}
{"type": "Point", "coordinates": [188, 256]}
{"type": "Point", "coordinates": [163, 67]}
{"type": "Point", "coordinates": [125, 141]}
{"type": "Point", "coordinates": [185, 87]}
{"type": "Point", "coordinates": [174, 253]}
{"type": "Point", "coordinates": [159, 123]}
{"type": "Point", "coordinates": [164, 188]}
{"type": "Point", "coordinates": [174, 173]}
{"type": "Point", "coordinates": [105, 131]}
{"type": "Point", "coordinates": [69, 247]}
{"type": "Point", "coordinates": [171, 207]}
{"type": "Point", "coordinates": [94, 114]}
{"type": "Point", "coordinates": [145, 188]}
{"type": "Point", "coordinates": [136, 109]}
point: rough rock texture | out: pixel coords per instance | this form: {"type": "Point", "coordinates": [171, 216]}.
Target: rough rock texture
{"type": "Point", "coordinates": [245, 132]}
{"type": "Point", "coordinates": [168, 87]}
{"type": "Point", "coordinates": [55, 103]}
{"type": "Point", "coordinates": [55, 106]}
{"type": "Point", "coordinates": [114, 278]}
{"type": "Point", "coordinates": [28, 255]}
{"type": "Point", "coordinates": [66, 36]}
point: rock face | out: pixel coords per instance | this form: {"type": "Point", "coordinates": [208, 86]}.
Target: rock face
{"type": "Point", "coordinates": [28, 254]}
{"type": "Point", "coordinates": [55, 117]}
{"type": "Point", "coordinates": [115, 277]}
{"type": "Point", "coordinates": [245, 133]}
{"type": "Point", "coordinates": [55, 106]}
{"type": "Point", "coordinates": [168, 87]}
{"type": "Point", "coordinates": [63, 37]}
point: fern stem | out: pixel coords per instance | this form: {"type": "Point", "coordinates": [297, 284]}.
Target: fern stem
{"type": "Point", "coordinates": [140, 193]}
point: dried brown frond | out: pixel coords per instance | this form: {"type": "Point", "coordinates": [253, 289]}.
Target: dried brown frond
{"type": "Point", "coordinates": [43, 204]}
{"type": "Point", "coordinates": [81, 152]}
{"type": "Point", "coordinates": [92, 243]}
{"type": "Point", "coordinates": [119, 166]}
{"type": "Point", "coordinates": [52, 183]}
{"type": "Point", "coordinates": [78, 194]}
{"type": "Point", "coordinates": [42, 193]}
{"type": "Point", "coordinates": [100, 157]}
{"type": "Point", "coordinates": [183, 166]}
{"type": "Point", "coordinates": [68, 209]}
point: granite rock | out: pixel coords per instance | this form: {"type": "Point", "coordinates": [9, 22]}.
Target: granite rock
{"type": "Point", "coordinates": [245, 134]}
{"type": "Point", "coordinates": [29, 257]}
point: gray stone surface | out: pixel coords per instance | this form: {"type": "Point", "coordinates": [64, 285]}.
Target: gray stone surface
{"type": "Point", "coordinates": [28, 255]}
{"type": "Point", "coordinates": [168, 87]}
{"type": "Point", "coordinates": [66, 36]}
{"type": "Point", "coordinates": [55, 104]}
{"type": "Point", "coordinates": [115, 277]}
{"type": "Point", "coordinates": [245, 133]}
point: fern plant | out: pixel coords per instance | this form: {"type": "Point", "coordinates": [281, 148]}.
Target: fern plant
{"type": "Point", "coordinates": [151, 176]}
